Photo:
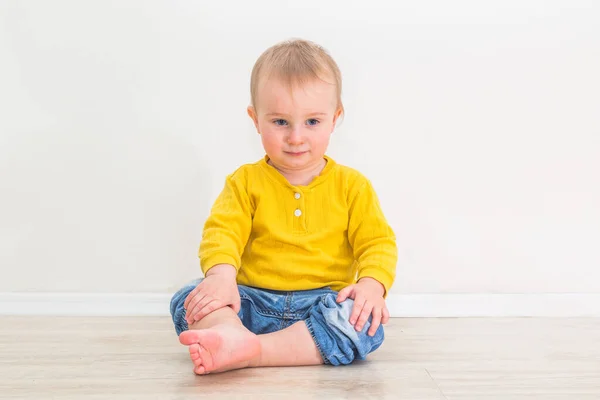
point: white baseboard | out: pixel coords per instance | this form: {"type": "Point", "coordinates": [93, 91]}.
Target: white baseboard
{"type": "Point", "coordinates": [496, 305]}
{"type": "Point", "coordinates": [400, 305]}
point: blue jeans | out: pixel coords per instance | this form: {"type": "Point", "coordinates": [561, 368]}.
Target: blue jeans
{"type": "Point", "coordinates": [266, 311]}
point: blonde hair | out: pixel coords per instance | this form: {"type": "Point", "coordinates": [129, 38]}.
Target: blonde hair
{"type": "Point", "coordinates": [296, 61]}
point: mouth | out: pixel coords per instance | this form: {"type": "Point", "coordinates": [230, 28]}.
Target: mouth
{"type": "Point", "coordinates": [295, 153]}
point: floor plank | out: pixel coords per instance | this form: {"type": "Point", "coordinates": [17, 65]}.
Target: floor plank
{"type": "Point", "coordinates": [450, 358]}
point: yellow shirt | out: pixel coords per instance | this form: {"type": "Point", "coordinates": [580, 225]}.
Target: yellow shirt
{"type": "Point", "coordinates": [278, 236]}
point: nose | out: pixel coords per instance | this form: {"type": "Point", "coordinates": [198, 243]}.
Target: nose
{"type": "Point", "coordinates": [295, 136]}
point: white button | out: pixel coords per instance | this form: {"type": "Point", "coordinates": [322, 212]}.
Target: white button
{"type": "Point", "coordinates": [297, 213]}
{"type": "Point", "coordinates": [297, 195]}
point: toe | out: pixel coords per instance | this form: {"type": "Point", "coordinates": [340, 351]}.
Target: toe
{"type": "Point", "coordinates": [188, 337]}
{"type": "Point", "coordinates": [200, 370]}
{"type": "Point", "coordinates": [195, 354]}
{"type": "Point", "coordinates": [198, 362]}
{"type": "Point", "coordinates": [207, 360]}
{"type": "Point", "coordinates": [194, 349]}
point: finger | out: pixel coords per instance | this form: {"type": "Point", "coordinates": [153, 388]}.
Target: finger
{"type": "Point", "coordinates": [385, 315]}
{"type": "Point", "coordinates": [206, 309]}
{"type": "Point", "coordinates": [375, 322]}
{"type": "Point", "coordinates": [199, 297]}
{"type": "Point", "coordinates": [358, 306]}
{"type": "Point", "coordinates": [198, 307]}
{"type": "Point", "coordinates": [190, 296]}
{"type": "Point", "coordinates": [364, 316]}
{"type": "Point", "coordinates": [236, 305]}
{"type": "Point", "coordinates": [344, 293]}
{"type": "Point", "coordinates": [196, 304]}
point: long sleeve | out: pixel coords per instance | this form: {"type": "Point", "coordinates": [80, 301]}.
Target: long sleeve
{"type": "Point", "coordinates": [372, 239]}
{"type": "Point", "coordinates": [228, 226]}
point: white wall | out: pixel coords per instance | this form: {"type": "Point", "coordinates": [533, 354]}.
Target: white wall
{"type": "Point", "coordinates": [478, 123]}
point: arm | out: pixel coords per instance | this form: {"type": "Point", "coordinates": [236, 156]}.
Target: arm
{"type": "Point", "coordinates": [225, 234]}
{"type": "Point", "coordinates": [375, 250]}
{"type": "Point", "coordinates": [372, 238]}
{"type": "Point", "coordinates": [228, 227]}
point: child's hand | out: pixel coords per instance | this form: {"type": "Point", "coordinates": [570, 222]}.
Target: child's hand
{"type": "Point", "coordinates": [367, 294]}
{"type": "Point", "coordinates": [218, 289]}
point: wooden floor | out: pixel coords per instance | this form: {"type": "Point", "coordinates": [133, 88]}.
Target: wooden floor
{"type": "Point", "coordinates": [140, 358]}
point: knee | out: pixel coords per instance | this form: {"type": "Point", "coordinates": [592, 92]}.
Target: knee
{"type": "Point", "coordinates": [337, 339]}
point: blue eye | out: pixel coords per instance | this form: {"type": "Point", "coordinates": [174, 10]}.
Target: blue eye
{"type": "Point", "coordinates": [313, 122]}
{"type": "Point", "coordinates": [280, 122]}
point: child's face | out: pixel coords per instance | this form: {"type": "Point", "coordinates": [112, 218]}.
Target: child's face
{"type": "Point", "coordinates": [295, 125]}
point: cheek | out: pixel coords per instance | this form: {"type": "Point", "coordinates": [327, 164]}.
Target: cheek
{"type": "Point", "coordinates": [322, 137]}
{"type": "Point", "coordinates": [269, 140]}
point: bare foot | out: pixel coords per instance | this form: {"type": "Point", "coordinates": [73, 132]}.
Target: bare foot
{"type": "Point", "coordinates": [220, 348]}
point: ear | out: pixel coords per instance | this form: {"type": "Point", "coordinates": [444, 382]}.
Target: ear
{"type": "Point", "coordinates": [252, 114]}
{"type": "Point", "coordinates": [335, 117]}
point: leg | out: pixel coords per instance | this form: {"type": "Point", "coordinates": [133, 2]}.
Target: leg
{"type": "Point", "coordinates": [213, 341]}
{"type": "Point", "coordinates": [337, 340]}
{"type": "Point", "coordinates": [219, 342]}
{"type": "Point", "coordinates": [292, 346]}
{"type": "Point", "coordinates": [326, 336]}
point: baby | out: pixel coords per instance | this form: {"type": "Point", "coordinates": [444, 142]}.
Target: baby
{"type": "Point", "coordinates": [297, 255]}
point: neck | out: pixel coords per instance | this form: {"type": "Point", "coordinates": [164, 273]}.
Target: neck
{"type": "Point", "coordinates": [304, 176]}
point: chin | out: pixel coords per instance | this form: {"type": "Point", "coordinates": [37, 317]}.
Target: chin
{"type": "Point", "coordinates": [294, 164]}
